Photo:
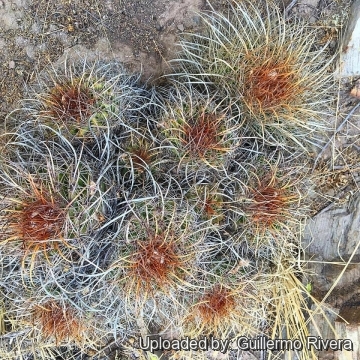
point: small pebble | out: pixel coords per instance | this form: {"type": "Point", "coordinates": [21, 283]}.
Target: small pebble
{"type": "Point", "coordinates": [355, 91]}
{"type": "Point", "coordinates": [159, 27]}
{"type": "Point", "coordinates": [12, 64]}
{"type": "Point", "coordinates": [180, 27]}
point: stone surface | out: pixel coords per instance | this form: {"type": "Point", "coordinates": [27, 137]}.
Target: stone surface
{"type": "Point", "coordinates": [351, 332]}
{"type": "Point", "coordinates": [332, 242]}
{"type": "Point", "coordinates": [349, 60]}
{"type": "Point", "coordinates": [335, 233]}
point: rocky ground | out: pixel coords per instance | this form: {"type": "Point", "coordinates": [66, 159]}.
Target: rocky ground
{"type": "Point", "coordinates": [35, 34]}
{"type": "Point", "coordinates": [142, 34]}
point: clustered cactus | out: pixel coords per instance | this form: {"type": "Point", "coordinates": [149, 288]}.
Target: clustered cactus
{"type": "Point", "coordinates": [178, 211]}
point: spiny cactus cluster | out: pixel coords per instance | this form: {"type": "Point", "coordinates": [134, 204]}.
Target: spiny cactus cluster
{"type": "Point", "coordinates": [128, 211]}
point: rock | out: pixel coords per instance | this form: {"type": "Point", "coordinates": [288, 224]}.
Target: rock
{"type": "Point", "coordinates": [12, 64]}
{"type": "Point", "coordinates": [350, 313]}
{"type": "Point", "coordinates": [349, 61]}
{"type": "Point", "coordinates": [159, 27]}
{"type": "Point", "coordinates": [334, 233]}
{"type": "Point", "coordinates": [330, 240]}
{"type": "Point", "coordinates": [306, 8]}
{"type": "Point", "coordinates": [352, 332]}
{"type": "Point", "coordinates": [355, 91]}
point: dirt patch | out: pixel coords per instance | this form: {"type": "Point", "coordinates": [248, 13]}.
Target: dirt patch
{"type": "Point", "coordinates": [34, 34]}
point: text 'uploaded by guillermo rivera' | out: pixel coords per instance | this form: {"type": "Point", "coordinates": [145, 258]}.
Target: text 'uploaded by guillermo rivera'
{"type": "Point", "coordinates": [245, 343]}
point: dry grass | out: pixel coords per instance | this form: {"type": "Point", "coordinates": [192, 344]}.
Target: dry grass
{"type": "Point", "coordinates": [38, 221]}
